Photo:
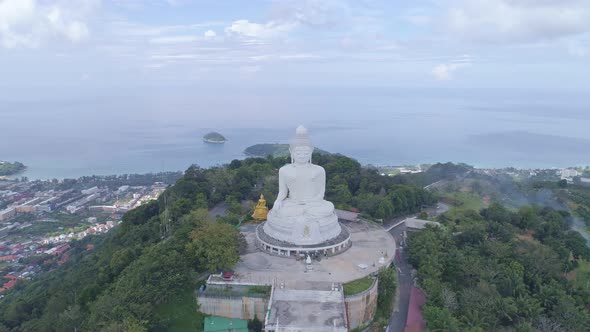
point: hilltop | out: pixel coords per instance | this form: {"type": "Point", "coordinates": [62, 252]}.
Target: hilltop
{"type": "Point", "coordinates": [7, 168]}
{"type": "Point", "coordinates": [275, 150]}
{"type": "Point", "coordinates": [214, 137]}
{"type": "Point", "coordinates": [142, 275]}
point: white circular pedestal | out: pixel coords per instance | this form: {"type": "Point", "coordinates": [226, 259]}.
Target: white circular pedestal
{"type": "Point", "coordinates": [331, 247]}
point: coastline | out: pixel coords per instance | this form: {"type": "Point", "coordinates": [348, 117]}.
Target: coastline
{"type": "Point", "coordinates": [213, 141]}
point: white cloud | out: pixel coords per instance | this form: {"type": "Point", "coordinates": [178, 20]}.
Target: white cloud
{"type": "Point", "coordinates": [29, 23]}
{"type": "Point", "coordinates": [73, 30]}
{"type": "Point", "coordinates": [315, 13]}
{"type": "Point", "coordinates": [444, 72]}
{"type": "Point", "coordinates": [209, 34]}
{"type": "Point", "coordinates": [174, 57]}
{"type": "Point", "coordinates": [132, 29]}
{"type": "Point", "coordinates": [301, 56]}
{"type": "Point", "coordinates": [505, 21]}
{"type": "Point", "coordinates": [244, 28]}
{"type": "Point", "coordinates": [174, 39]}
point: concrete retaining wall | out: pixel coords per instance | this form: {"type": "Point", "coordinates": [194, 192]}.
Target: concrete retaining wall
{"type": "Point", "coordinates": [361, 307]}
{"type": "Point", "coordinates": [233, 306]}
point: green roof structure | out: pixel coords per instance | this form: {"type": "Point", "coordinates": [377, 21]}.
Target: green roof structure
{"type": "Point", "coordinates": [222, 324]}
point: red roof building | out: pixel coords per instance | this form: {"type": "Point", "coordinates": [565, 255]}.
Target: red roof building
{"type": "Point", "coordinates": [8, 285]}
{"type": "Point", "coordinates": [11, 277]}
{"type": "Point", "coordinates": [8, 258]}
{"type": "Point", "coordinates": [61, 248]}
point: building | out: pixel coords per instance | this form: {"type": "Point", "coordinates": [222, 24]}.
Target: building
{"type": "Point", "coordinates": [90, 191]}
{"type": "Point", "coordinates": [568, 174]}
{"type": "Point", "coordinates": [103, 208]}
{"type": "Point", "coordinates": [42, 208]}
{"type": "Point", "coordinates": [7, 213]}
{"type": "Point", "coordinates": [9, 258]}
{"type": "Point", "coordinates": [347, 215]}
{"type": "Point", "coordinates": [25, 209]}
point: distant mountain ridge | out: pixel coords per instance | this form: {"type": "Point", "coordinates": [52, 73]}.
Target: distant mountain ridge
{"type": "Point", "coordinates": [275, 150]}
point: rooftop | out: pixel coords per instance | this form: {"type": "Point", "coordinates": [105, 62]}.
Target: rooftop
{"type": "Point", "coordinates": [307, 310]}
{"type": "Point", "coordinates": [347, 215]}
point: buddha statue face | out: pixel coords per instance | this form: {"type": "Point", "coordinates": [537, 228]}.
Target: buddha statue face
{"type": "Point", "coordinates": [301, 154]}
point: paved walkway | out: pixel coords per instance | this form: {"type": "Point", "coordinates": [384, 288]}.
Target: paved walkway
{"type": "Point", "coordinates": [370, 242]}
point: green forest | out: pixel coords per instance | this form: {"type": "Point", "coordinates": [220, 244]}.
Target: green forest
{"type": "Point", "coordinates": [142, 275]}
{"type": "Point", "coordinates": [502, 270]}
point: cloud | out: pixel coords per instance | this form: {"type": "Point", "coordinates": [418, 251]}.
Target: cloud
{"type": "Point", "coordinates": [174, 39]}
{"type": "Point", "coordinates": [315, 13]}
{"type": "Point", "coordinates": [209, 34]}
{"type": "Point", "coordinates": [75, 31]}
{"type": "Point", "coordinates": [516, 21]}
{"type": "Point", "coordinates": [29, 23]}
{"type": "Point", "coordinates": [288, 15]}
{"type": "Point", "coordinates": [245, 28]}
{"type": "Point", "coordinates": [300, 56]}
{"type": "Point", "coordinates": [444, 72]}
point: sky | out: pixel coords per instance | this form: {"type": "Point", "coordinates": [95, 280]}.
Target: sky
{"type": "Point", "coordinates": [61, 47]}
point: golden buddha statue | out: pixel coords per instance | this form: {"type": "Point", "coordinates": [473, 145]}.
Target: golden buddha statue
{"type": "Point", "coordinates": [260, 211]}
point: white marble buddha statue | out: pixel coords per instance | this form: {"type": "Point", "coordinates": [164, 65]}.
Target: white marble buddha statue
{"type": "Point", "coordinates": [300, 214]}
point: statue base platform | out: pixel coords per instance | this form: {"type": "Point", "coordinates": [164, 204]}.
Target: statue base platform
{"type": "Point", "coordinates": [331, 247]}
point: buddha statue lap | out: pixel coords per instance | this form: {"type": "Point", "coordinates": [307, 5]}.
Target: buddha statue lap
{"type": "Point", "coordinates": [300, 214]}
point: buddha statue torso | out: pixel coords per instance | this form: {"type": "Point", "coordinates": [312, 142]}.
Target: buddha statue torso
{"type": "Point", "coordinates": [300, 214]}
{"type": "Point", "coordinates": [304, 183]}
{"type": "Point", "coordinates": [305, 186]}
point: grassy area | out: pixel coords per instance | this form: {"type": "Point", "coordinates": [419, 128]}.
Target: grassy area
{"type": "Point", "coordinates": [465, 200]}
{"type": "Point", "coordinates": [357, 286]}
{"type": "Point", "coordinates": [182, 313]}
{"type": "Point", "coordinates": [259, 290]}
{"type": "Point", "coordinates": [581, 275]}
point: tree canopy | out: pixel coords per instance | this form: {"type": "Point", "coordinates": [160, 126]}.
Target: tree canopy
{"type": "Point", "coordinates": [501, 270]}
{"type": "Point", "coordinates": [149, 263]}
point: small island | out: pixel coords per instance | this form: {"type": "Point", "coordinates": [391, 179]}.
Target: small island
{"type": "Point", "coordinates": [7, 168]}
{"type": "Point", "coordinates": [275, 150]}
{"type": "Point", "coordinates": [214, 137]}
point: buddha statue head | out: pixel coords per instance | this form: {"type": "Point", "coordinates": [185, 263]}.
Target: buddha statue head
{"type": "Point", "coordinates": [301, 148]}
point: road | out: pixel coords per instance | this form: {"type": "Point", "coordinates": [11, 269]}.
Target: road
{"type": "Point", "coordinates": [397, 321]}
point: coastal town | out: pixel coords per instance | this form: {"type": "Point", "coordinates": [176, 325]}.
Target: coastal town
{"type": "Point", "coordinates": [39, 219]}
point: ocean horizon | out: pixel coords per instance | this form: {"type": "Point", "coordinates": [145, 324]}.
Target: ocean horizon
{"type": "Point", "coordinates": [163, 131]}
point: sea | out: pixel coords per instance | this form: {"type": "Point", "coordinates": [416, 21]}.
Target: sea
{"type": "Point", "coordinates": [142, 131]}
